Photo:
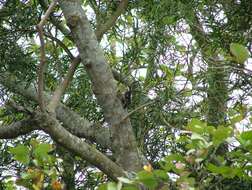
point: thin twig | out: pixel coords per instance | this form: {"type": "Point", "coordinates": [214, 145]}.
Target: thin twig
{"type": "Point", "coordinates": [101, 30]}
{"type": "Point", "coordinates": [99, 33]}
{"type": "Point", "coordinates": [62, 87]}
{"type": "Point", "coordinates": [61, 44]}
{"type": "Point", "coordinates": [48, 12]}
{"type": "Point", "coordinates": [136, 109]}
{"type": "Point", "coordinates": [165, 121]}
{"type": "Point", "coordinates": [42, 55]}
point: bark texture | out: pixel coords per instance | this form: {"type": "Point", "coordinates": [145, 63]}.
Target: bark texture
{"type": "Point", "coordinates": [73, 122]}
{"type": "Point", "coordinates": [104, 86]}
{"type": "Point", "coordinates": [77, 146]}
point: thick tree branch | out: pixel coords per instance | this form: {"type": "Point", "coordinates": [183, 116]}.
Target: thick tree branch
{"type": "Point", "coordinates": [104, 86]}
{"type": "Point", "coordinates": [18, 108]}
{"type": "Point", "coordinates": [18, 128]}
{"type": "Point", "coordinates": [102, 29]}
{"type": "Point", "coordinates": [71, 120]}
{"type": "Point", "coordinates": [67, 33]}
{"type": "Point", "coordinates": [74, 144]}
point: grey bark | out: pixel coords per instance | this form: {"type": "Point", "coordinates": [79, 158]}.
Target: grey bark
{"type": "Point", "coordinates": [104, 87]}
{"type": "Point", "coordinates": [73, 122]}
{"type": "Point", "coordinates": [77, 146]}
{"type": "Point", "coordinates": [16, 129]}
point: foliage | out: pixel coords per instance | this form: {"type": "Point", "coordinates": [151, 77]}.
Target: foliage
{"type": "Point", "coordinates": [39, 166]}
{"type": "Point", "coordinates": [188, 67]}
{"type": "Point", "coordinates": [199, 167]}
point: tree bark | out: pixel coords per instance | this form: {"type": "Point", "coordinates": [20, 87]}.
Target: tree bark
{"type": "Point", "coordinates": [104, 87]}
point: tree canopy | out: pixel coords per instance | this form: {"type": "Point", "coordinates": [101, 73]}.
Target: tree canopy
{"type": "Point", "coordinates": [129, 94]}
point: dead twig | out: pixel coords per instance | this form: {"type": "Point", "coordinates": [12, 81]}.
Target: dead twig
{"type": "Point", "coordinates": [62, 87]}
{"type": "Point", "coordinates": [41, 67]}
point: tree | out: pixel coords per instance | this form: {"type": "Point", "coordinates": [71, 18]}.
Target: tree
{"type": "Point", "coordinates": [110, 85]}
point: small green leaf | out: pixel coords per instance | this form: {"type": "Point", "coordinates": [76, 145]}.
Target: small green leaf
{"type": "Point", "coordinates": [210, 129]}
{"type": "Point", "coordinates": [239, 52]}
{"type": "Point", "coordinates": [221, 134]}
{"type": "Point", "coordinates": [42, 150]}
{"type": "Point", "coordinates": [148, 179]}
{"type": "Point", "coordinates": [168, 72]}
{"type": "Point", "coordinates": [129, 20]}
{"type": "Point", "coordinates": [173, 157]}
{"type": "Point", "coordinates": [41, 155]}
{"type": "Point", "coordinates": [196, 136]}
{"type": "Point", "coordinates": [24, 183]}
{"type": "Point", "coordinates": [225, 171]}
{"type": "Point", "coordinates": [169, 20]}
{"type": "Point", "coordinates": [245, 139]}
{"type": "Point", "coordinates": [160, 174]}
{"type": "Point", "coordinates": [21, 153]}
{"type": "Point", "coordinates": [196, 126]}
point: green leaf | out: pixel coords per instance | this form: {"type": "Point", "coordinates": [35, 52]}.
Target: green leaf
{"type": "Point", "coordinates": [210, 129]}
{"type": "Point", "coordinates": [245, 139]}
{"type": "Point", "coordinates": [221, 134]}
{"type": "Point", "coordinates": [160, 174]}
{"type": "Point", "coordinates": [21, 153]}
{"type": "Point", "coordinates": [196, 126]}
{"type": "Point", "coordinates": [240, 53]}
{"type": "Point", "coordinates": [225, 171]}
{"type": "Point", "coordinates": [168, 72]}
{"type": "Point", "coordinates": [148, 179]}
{"type": "Point", "coordinates": [41, 151]}
{"type": "Point", "coordinates": [176, 157]}
{"type": "Point", "coordinates": [169, 20]}
{"type": "Point", "coordinates": [10, 185]}
{"type": "Point", "coordinates": [129, 20]}
{"type": "Point", "coordinates": [236, 119]}
{"type": "Point", "coordinates": [41, 154]}
{"type": "Point", "coordinates": [196, 136]}
{"type": "Point", "coordinates": [246, 135]}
